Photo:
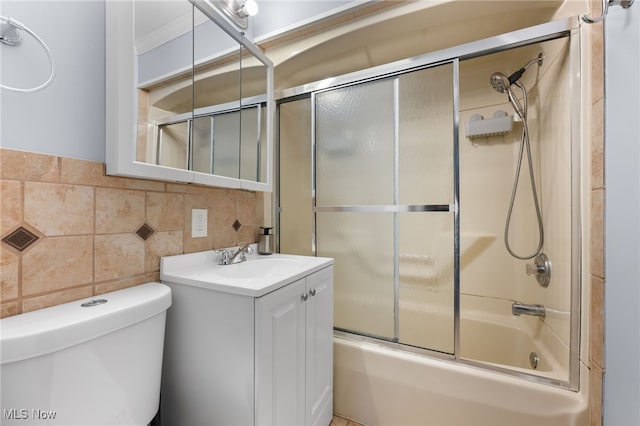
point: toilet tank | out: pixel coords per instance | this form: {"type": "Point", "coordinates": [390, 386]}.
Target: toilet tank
{"type": "Point", "coordinates": [95, 361]}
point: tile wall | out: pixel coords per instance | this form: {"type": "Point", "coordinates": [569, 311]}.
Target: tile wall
{"type": "Point", "coordinates": [596, 278]}
{"type": "Point", "coordinates": [69, 231]}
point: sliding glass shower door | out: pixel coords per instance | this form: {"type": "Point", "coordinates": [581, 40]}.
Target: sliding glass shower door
{"type": "Point", "coordinates": [382, 202]}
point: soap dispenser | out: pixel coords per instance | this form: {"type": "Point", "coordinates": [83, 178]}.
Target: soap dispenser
{"type": "Point", "coordinates": [264, 241]}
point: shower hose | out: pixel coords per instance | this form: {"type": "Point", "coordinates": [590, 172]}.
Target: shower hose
{"type": "Point", "coordinates": [521, 110]}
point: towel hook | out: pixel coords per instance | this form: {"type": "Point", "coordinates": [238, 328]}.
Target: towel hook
{"type": "Point", "coordinates": [626, 4]}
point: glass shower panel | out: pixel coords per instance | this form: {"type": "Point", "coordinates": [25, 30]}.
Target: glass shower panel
{"type": "Point", "coordinates": [384, 187]}
{"type": "Point", "coordinates": [362, 245]}
{"type": "Point", "coordinates": [226, 144]}
{"type": "Point", "coordinates": [426, 280]}
{"type": "Point", "coordinates": [250, 143]}
{"type": "Point", "coordinates": [202, 144]}
{"type": "Point", "coordinates": [355, 135]}
{"type": "Point", "coordinates": [426, 136]}
{"type": "Point", "coordinates": [295, 199]}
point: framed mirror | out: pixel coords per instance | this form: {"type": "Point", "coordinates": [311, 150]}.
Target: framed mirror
{"type": "Point", "coordinates": [189, 98]}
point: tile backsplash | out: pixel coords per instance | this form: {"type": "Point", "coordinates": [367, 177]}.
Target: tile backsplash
{"type": "Point", "coordinates": [69, 231]}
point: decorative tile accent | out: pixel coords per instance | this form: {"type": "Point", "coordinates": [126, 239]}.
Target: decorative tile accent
{"type": "Point", "coordinates": [20, 239]}
{"type": "Point", "coordinates": [145, 231]}
{"type": "Point", "coordinates": [236, 225]}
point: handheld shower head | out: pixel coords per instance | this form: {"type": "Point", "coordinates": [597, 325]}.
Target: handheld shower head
{"type": "Point", "coordinates": [501, 82]}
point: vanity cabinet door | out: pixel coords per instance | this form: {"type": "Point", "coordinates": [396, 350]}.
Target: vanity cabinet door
{"type": "Point", "coordinates": [294, 353]}
{"type": "Point", "coordinates": [280, 356]}
{"type": "Point", "coordinates": [319, 345]}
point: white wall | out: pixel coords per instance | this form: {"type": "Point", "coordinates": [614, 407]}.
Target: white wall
{"type": "Point", "coordinates": [68, 117]}
{"type": "Point", "coordinates": [622, 218]}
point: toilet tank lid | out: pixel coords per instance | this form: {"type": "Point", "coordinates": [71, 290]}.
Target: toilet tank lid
{"type": "Point", "coordinates": [52, 329]}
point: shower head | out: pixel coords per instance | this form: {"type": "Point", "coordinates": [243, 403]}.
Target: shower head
{"type": "Point", "coordinates": [501, 82]}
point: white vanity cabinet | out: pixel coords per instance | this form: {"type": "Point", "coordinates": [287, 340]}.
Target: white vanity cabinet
{"type": "Point", "coordinates": [245, 354]}
{"type": "Point", "coordinates": [294, 353]}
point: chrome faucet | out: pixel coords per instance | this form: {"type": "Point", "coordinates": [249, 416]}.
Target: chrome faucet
{"type": "Point", "coordinates": [534, 310]}
{"type": "Point", "coordinates": [242, 251]}
{"type": "Point", "coordinates": [228, 259]}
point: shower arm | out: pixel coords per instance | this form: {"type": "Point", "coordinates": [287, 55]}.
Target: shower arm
{"type": "Point", "coordinates": [513, 78]}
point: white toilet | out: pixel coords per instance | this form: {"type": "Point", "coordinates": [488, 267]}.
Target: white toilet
{"type": "Point", "coordinates": [96, 361]}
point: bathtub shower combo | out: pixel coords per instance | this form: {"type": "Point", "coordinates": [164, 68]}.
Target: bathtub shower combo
{"type": "Point", "coordinates": [457, 274]}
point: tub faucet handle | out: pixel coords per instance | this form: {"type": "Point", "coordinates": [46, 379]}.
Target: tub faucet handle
{"type": "Point", "coordinates": [541, 268]}
{"type": "Point", "coordinates": [533, 268]}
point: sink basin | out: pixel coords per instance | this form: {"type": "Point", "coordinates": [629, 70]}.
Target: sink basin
{"type": "Point", "coordinates": [256, 276]}
{"type": "Point", "coordinates": [259, 268]}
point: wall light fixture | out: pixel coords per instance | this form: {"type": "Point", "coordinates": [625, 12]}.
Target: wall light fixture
{"type": "Point", "coordinates": [238, 11]}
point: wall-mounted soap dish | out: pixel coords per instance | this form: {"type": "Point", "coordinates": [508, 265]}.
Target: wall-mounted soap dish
{"type": "Point", "coordinates": [479, 127]}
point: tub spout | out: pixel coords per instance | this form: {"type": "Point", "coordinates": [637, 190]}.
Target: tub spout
{"type": "Point", "coordinates": [522, 309]}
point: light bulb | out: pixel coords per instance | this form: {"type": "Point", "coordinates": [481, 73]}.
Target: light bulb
{"type": "Point", "coordinates": [249, 8]}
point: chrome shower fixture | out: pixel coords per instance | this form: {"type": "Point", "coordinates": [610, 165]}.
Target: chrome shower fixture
{"type": "Point", "coordinates": [541, 268]}
{"type": "Point", "coordinates": [504, 84]}
{"type": "Point", "coordinates": [518, 309]}
{"type": "Point", "coordinates": [501, 82]}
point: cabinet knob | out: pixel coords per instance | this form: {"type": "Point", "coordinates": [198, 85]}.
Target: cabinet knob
{"type": "Point", "coordinates": [312, 292]}
{"type": "Point", "coordinates": [305, 296]}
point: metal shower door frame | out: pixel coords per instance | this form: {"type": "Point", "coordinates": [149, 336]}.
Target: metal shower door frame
{"type": "Point", "coordinates": [568, 27]}
{"type": "Point", "coordinates": [397, 208]}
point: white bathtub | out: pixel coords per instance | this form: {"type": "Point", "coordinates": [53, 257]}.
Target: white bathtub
{"type": "Point", "coordinates": [507, 342]}
{"type": "Point", "coordinates": [377, 385]}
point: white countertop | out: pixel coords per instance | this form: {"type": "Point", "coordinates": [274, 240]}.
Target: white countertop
{"type": "Point", "coordinates": [255, 277]}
